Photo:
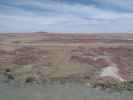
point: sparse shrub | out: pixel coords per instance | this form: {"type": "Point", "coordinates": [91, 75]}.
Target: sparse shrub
{"type": "Point", "coordinates": [7, 70]}
{"type": "Point", "coordinates": [9, 75]}
{"type": "Point", "coordinates": [29, 80]}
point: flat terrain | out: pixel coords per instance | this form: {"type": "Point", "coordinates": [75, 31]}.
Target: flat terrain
{"type": "Point", "coordinates": [28, 57]}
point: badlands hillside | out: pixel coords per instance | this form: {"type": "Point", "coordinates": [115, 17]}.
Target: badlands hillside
{"type": "Point", "coordinates": [41, 56]}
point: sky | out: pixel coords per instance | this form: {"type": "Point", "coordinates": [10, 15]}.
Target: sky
{"type": "Point", "coordinates": [82, 16]}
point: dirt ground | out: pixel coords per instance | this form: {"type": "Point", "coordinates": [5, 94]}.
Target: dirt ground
{"type": "Point", "coordinates": [42, 56]}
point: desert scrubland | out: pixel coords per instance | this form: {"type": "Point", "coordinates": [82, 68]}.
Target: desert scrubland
{"type": "Point", "coordinates": [38, 57]}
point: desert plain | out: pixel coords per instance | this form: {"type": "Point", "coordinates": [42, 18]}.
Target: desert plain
{"type": "Point", "coordinates": [90, 58]}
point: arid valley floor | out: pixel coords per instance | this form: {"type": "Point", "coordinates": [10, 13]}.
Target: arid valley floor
{"type": "Point", "coordinates": [37, 57]}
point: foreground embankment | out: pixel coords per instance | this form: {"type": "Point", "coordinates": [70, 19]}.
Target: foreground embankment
{"type": "Point", "coordinates": [58, 91]}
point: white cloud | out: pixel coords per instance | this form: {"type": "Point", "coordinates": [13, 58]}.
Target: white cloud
{"type": "Point", "coordinates": [63, 17]}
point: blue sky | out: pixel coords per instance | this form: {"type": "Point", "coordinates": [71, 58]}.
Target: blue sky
{"type": "Point", "coordinates": [87, 16]}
